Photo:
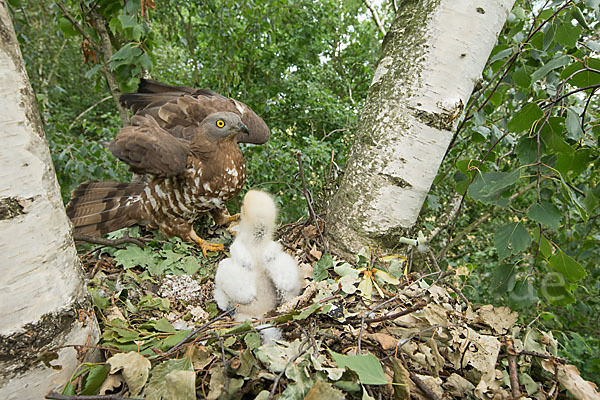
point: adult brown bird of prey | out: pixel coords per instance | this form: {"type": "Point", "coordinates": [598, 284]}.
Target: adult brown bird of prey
{"type": "Point", "coordinates": [189, 176]}
{"type": "Point", "coordinates": [178, 109]}
{"type": "Point", "coordinates": [189, 154]}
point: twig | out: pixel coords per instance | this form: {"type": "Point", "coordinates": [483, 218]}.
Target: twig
{"type": "Point", "coordinates": [107, 242]}
{"type": "Point", "coordinates": [58, 396]}
{"type": "Point", "coordinates": [198, 330]}
{"type": "Point", "coordinates": [375, 16]}
{"type": "Point", "coordinates": [278, 378]}
{"type": "Point", "coordinates": [595, 87]}
{"type": "Point", "coordinates": [512, 369]}
{"type": "Point", "coordinates": [76, 24]}
{"type": "Point", "coordinates": [90, 108]}
{"type": "Point", "coordinates": [360, 334]}
{"type": "Point", "coordinates": [423, 386]}
{"type": "Point", "coordinates": [308, 200]}
{"type": "Point", "coordinates": [459, 293]}
{"type": "Point", "coordinates": [412, 309]}
{"type": "Point", "coordinates": [587, 103]}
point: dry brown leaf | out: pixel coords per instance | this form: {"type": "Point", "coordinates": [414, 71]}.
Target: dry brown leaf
{"type": "Point", "coordinates": [386, 341]}
{"type": "Point", "coordinates": [110, 383]}
{"type": "Point", "coordinates": [113, 313]}
{"type": "Point", "coordinates": [134, 367]}
{"type": "Point", "coordinates": [315, 252]}
{"type": "Point", "coordinates": [458, 386]}
{"type": "Point", "coordinates": [310, 231]}
{"type": "Point", "coordinates": [569, 377]}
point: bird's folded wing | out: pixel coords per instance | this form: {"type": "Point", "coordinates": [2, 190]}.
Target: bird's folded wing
{"type": "Point", "coordinates": [176, 108]}
{"type": "Point", "coordinates": [149, 149]}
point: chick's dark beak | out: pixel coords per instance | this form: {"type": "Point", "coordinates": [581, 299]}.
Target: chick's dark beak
{"type": "Point", "coordinates": [243, 128]}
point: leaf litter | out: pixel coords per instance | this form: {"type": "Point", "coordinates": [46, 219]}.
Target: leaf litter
{"type": "Point", "coordinates": [358, 330]}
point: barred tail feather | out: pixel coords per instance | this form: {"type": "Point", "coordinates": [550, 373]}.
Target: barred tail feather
{"type": "Point", "coordinates": [97, 208]}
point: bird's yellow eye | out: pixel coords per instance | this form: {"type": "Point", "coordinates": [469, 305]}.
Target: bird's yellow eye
{"type": "Point", "coordinates": [220, 123]}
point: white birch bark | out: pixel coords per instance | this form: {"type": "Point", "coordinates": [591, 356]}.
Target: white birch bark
{"type": "Point", "coordinates": [432, 57]}
{"type": "Point", "coordinates": [41, 290]}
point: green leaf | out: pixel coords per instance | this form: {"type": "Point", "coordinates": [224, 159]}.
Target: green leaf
{"type": "Point", "coordinates": [252, 340]}
{"type": "Point", "coordinates": [321, 267]}
{"type": "Point", "coordinates": [527, 150]}
{"type": "Point", "coordinates": [489, 187]}
{"type": "Point", "coordinates": [145, 62]}
{"type": "Point", "coordinates": [553, 64]}
{"type": "Point", "coordinates": [367, 367]}
{"type": "Point", "coordinates": [567, 266]}
{"type": "Point", "coordinates": [546, 247]}
{"type": "Point", "coordinates": [133, 256]}
{"type": "Point", "coordinates": [583, 78]}
{"type": "Point", "coordinates": [128, 21]}
{"type": "Point", "coordinates": [156, 388]}
{"type": "Point", "coordinates": [511, 239]}
{"type": "Point", "coordinates": [504, 278]}
{"type": "Point", "coordinates": [308, 311]}
{"type": "Point", "coordinates": [175, 339]}
{"type": "Point", "coordinates": [576, 162]}
{"type": "Point", "coordinates": [522, 77]}
{"type": "Point", "coordinates": [162, 325]}
{"type": "Point", "coordinates": [578, 15]}
{"type": "Point", "coordinates": [523, 293]}
{"type": "Point", "coordinates": [570, 195]}
{"type": "Point", "coordinates": [573, 125]}
{"type": "Point", "coordinates": [567, 33]}
{"type": "Point", "coordinates": [245, 327]}
{"type": "Point", "coordinates": [558, 294]}
{"type": "Point", "coordinates": [524, 118]}
{"type": "Point", "coordinates": [545, 213]}
{"type": "Point", "coordinates": [549, 36]}
{"type": "Point", "coordinates": [94, 379]}
{"type": "Point", "coordinates": [66, 27]}
{"type": "Point", "coordinates": [552, 136]}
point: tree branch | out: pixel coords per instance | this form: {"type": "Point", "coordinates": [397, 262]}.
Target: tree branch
{"type": "Point", "coordinates": [375, 16]}
{"type": "Point", "coordinates": [107, 53]}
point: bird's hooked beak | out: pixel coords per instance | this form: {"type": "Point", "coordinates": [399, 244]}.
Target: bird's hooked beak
{"type": "Point", "coordinates": [242, 128]}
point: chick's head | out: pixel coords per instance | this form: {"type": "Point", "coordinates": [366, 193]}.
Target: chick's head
{"type": "Point", "coordinates": [258, 211]}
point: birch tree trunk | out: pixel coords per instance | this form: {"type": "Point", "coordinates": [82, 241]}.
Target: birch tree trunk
{"type": "Point", "coordinates": [41, 290]}
{"type": "Point", "coordinates": [432, 57]}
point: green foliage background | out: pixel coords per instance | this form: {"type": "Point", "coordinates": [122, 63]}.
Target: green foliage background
{"type": "Point", "coordinates": [525, 157]}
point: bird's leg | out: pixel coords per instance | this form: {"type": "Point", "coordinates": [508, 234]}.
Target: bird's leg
{"type": "Point", "coordinates": [204, 245]}
{"type": "Point", "coordinates": [222, 217]}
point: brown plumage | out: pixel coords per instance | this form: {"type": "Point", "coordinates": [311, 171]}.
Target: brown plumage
{"type": "Point", "coordinates": [188, 178]}
{"type": "Point", "coordinates": [179, 109]}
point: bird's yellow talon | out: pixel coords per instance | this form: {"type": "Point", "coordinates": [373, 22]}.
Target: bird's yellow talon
{"type": "Point", "coordinates": [204, 245]}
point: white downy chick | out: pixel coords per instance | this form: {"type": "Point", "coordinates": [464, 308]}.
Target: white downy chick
{"type": "Point", "coordinates": [259, 275]}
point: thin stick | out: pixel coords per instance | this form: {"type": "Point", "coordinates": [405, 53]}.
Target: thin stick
{"type": "Point", "coordinates": [459, 293]}
{"type": "Point", "coordinates": [198, 330]}
{"type": "Point", "coordinates": [308, 200]}
{"type": "Point", "coordinates": [423, 386]}
{"type": "Point", "coordinates": [360, 334]}
{"type": "Point", "coordinates": [107, 242]}
{"type": "Point", "coordinates": [512, 369]}
{"type": "Point", "coordinates": [412, 309]}
{"type": "Point", "coordinates": [375, 16]}
{"type": "Point", "coordinates": [90, 108]}
{"type": "Point", "coordinates": [58, 396]}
